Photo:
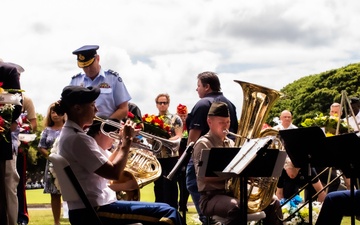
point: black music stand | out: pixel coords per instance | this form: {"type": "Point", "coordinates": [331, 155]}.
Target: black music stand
{"type": "Point", "coordinates": [309, 147]}
{"type": "Point", "coordinates": [213, 161]}
{"type": "Point", "coordinates": [345, 158]}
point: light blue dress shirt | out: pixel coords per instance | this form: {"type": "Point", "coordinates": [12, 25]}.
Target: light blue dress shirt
{"type": "Point", "coordinates": [113, 90]}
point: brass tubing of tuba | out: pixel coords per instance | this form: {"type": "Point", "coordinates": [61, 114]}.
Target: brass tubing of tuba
{"type": "Point", "coordinates": [257, 102]}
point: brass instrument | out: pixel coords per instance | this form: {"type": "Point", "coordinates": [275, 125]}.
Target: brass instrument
{"type": "Point", "coordinates": [257, 103]}
{"type": "Point", "coordinates": [159, 142]}
{"type": "Point", "coordinates": [172, 145]}
{"type": "Point", "coordinates": [142, 166]}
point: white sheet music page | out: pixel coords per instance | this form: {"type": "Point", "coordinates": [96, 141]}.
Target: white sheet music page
{"type": "Point", "coordinates": [246, 154]}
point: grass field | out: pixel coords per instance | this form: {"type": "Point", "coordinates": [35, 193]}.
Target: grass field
{"type": "Point", "coordinates": [43, 216]}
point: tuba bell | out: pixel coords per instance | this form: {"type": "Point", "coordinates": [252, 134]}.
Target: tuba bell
{"type": "Point", "coordinates": [257, 103]}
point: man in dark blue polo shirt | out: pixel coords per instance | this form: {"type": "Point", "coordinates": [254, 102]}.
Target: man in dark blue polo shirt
{"type": "Point", "coordinates": [209, 91]}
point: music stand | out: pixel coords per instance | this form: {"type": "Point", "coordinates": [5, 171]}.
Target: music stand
{"type": "Point", "coordinates": [308, 147]}
{"type": "Point", "coordinates": [213, 161]}
{"type": "Point", "coordinates": [341, 149]}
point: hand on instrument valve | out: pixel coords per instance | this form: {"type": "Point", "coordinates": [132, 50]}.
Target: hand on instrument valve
{"type": "Point", "coordinates": [128, 131]}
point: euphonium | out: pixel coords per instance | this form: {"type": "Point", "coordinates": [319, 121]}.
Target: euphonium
{"type": "Point", "coordinates": [142, 166]}
{"type": "Point", "coordinates": [257, 103]}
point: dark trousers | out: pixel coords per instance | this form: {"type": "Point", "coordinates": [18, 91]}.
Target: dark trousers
{"type": "Point", "coordinates": [336, 205]}
{"type": "Point", "coordinates": [184, 193]}
{"type": "Point", "coordinates": [166, 190]}
{"type": "Point", "coordinates": [23, 215]}
{"type": "Point", "coordinates": [124, 212]}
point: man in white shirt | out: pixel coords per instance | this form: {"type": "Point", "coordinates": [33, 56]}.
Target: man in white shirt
{"type": "Point", "coordinates": [285, 121]}
{"type": "Point", "coordinates": [355, 122]}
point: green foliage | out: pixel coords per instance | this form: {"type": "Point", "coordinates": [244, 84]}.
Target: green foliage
{"type": "Point", "coordinates": [35, 161]}
{"type": "Point", "coordinates": [311, 95]}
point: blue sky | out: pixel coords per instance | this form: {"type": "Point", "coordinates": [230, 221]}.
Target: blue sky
{"type": "Point", "coordinates": [161, 45]}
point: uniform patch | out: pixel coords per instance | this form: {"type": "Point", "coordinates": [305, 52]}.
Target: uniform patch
{"type": "Point", "coordinates": [104, 85]}
{"type": "Point", "coordinates": [76, 75]}
{"type": "Point", "coordinates": [115, 74]}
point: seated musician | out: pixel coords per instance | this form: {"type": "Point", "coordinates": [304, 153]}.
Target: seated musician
{"type": "Point", "coordinates": [94, 168]}
{"type": "Point", "coordinates": [292, 179]}
{"type": "Point", "coordinates": [214, 200]}
{"type": "Point", "coordinates": [338, 204]}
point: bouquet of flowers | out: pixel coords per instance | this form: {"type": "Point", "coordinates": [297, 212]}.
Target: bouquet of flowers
{"type": "Point", "coordinates": [7, 102]}
{"type": "Point", "coordinates": [135, 119]}
{"type": "Point", "coordinates": [329, 123]}
{"type": "Point", "coordinates": [5, 119]}
{"type": "Point", "coordinates": [156, 125]}
{"type": "Point", "coordinates": [26, 132]}
{"type": "Point", "coordinates": [301, 217]}
{"type": "Point", "coordinates": [55, 150]}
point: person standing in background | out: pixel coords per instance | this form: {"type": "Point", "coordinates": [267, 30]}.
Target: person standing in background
{"type": "Point", "coordinates": [181, 111]}
{"type": "Point", "coordinates": [335, 110]}
{"type": "Point", "coordinates": [27, 112]}
{"type": "Point", "coordinates": [355, 122]}
{"type": "Point", "coordinates": [114, 97]}
{"type": "Point", "coordinates": [167, 190]}
{"type": "Point", "coordinates": [285, 121]}
{"type": "Point", "coordinates": [9, 178]}
{"type": "Point", "coordinates": [53, 124]}
{"type": "Point", "coordinates": [209, 91]}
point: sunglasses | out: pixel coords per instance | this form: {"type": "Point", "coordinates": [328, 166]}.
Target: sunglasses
{"type": "Point", "coordinates": [162, 103]}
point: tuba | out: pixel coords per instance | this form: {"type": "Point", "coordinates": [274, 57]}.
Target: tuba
{"type": "Point", "coordinates": [257, 103]}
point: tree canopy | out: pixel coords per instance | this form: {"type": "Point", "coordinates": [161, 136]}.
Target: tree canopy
{"type": "Point", "coordinates": [311, 95]}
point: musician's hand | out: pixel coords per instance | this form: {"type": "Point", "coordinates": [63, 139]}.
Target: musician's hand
{"type": "Point", "coordinates": [128, 130]}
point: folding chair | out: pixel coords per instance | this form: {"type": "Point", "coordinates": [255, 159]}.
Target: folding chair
{"type": "Point", "coordinates": [71, 189]}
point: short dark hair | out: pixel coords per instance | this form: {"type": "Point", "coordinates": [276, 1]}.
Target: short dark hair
{"type": "Point", "coordinates": [211, 79]}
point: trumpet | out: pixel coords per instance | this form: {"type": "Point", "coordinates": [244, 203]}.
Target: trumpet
{"type": "Point", "coordinates": [111, 134]}
{"type": "Point", "coordinates": [171, 144]}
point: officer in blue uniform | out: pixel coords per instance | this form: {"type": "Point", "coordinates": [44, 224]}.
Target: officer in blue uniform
{"type": "Point", "coordinates": [114, 97]}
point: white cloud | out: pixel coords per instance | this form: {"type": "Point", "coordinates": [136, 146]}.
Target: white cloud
{"type": "Point", "coordinates": [161, 45]}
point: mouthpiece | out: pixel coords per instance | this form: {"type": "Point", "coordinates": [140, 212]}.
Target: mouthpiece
{"type": "Point", "coordinates": [231, 133]}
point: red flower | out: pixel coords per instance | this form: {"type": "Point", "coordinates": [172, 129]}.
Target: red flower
{"type": "Point", "coordinates": [130, 115]}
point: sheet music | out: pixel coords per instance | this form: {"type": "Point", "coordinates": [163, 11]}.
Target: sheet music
{"type": "Point", "coordinates": [246, 154]}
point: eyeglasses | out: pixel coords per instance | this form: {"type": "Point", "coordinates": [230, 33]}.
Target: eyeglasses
{"type": "Point", "coordinates": [162, 103]}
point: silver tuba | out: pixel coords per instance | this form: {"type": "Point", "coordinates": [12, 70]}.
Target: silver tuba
{"type": "Point", "coordinates": [257, 103]}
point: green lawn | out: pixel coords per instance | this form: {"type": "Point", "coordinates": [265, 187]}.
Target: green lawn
{"type": "Point", "coordinates": [44, 216]}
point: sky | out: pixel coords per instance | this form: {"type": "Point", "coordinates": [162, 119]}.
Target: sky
{"type": "Point", "coordinates": [160, 46]}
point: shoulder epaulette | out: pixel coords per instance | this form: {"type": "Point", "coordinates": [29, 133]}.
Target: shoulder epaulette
{"type": "Point", "coordinates": [113, 72]}
{"type": "Point", "coordinates": [76, 75]}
